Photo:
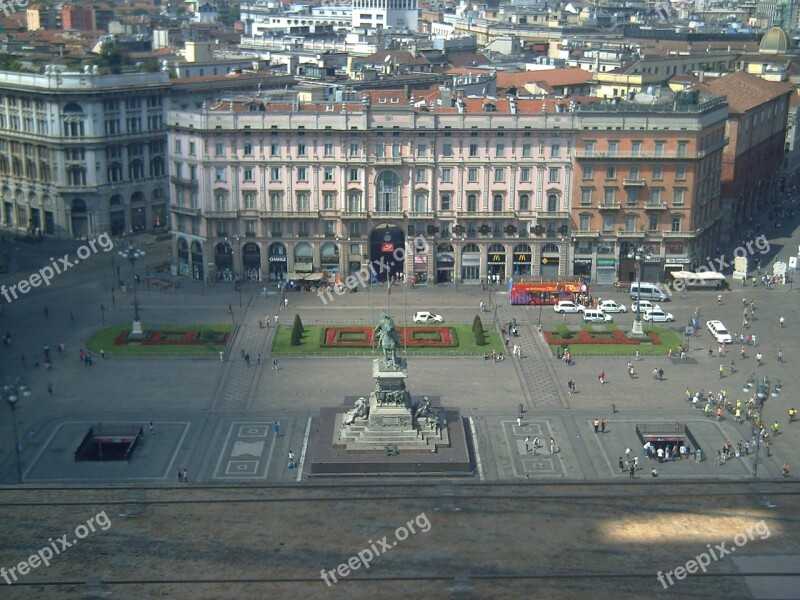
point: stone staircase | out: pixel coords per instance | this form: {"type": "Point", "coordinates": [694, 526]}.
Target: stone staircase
{"type": "Point", "coordinates": [359, 436]}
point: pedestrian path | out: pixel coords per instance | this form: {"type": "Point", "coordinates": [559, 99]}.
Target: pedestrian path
{"type": "Point", "coordinates": [536, 371]}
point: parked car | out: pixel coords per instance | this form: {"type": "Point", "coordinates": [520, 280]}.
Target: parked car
{"type": "Point", "coordinates": [645, 305]}
{"type": "Point", "coordinates": [719, 332]}
{"type": "Point", "coordinates": [612, 306]}
{"type": "Point", "coordinates": [428, 317]}
{"type": "Point", "coordinates": [656, 315]}
{"type": "Point", "coordinates": [567, 306]}
{"type": "Point", "coordinates": [594, 315]}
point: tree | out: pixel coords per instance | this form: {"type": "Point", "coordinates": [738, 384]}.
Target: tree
{"type": "Point", "coordinates": [477, 324]}
{"type": "Point", "coordinates": [480, 339]}
{"type": "Point", "coordinates": [297, 331]}
{"type": "Point", "coordinates": [298, 323]}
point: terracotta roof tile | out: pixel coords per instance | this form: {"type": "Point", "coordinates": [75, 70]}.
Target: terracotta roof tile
{"type": "Point", "coordinates": [745, 91]}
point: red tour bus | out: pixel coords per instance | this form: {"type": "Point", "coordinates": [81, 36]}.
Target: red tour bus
{"type": "Point", "coordinates": [546, 291]}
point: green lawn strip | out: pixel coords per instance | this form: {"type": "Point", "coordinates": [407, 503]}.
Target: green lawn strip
{"type": "Point", "coordinates": [669, 339]}
{"type": "Point", "coordinates": [104, 339]}
{"type": "Point", "coordinates": [313, 335]}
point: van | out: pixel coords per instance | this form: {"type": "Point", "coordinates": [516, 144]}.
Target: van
{"type": "Point", "coordinates": [649, 291]}
{"type": "Point", "coordinates": [594, 315]}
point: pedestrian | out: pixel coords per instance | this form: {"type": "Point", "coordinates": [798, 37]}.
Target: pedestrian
{"type": "Point", "coordinates": [221, 356]}
{"type": "Point", "coordinates": [660, 454]}
{"type": "Point", "coordinates": [637, 355]}
{"type": "Point", "coordinates": [603, 426]}
{"type": "Point", "coordinates": [285, 303]}
{"type": "Point", "coordinates": [102, 354]}
{"type": "Point", "coordinates": [247, 358]}
{"type": "Point", "coordinates": [653, 472]}
{"type": "Point", "coordinates": [602, 377]}
{"type": "Point", "coordinates": [290, 464]}
{"type": "Point", "coordinates": [632, 470]}
{"type": "Point", "coordinates": [277, 428]}
{"type": "Point", "coordinates": [780, 356]}
{"type": "Point", "coordinates": [258, 358]}
{"type": "Point", "coordinates": [758, 358]}
{"type": "Point", "coordinates": [627, 454]}
{"type": "Point", "coordinates": [527, 444]}
{"type": "Point", "coordinates": [151, 428]}
{"type": "Point", "coordinates": [552, 445]}
{"type": "Point", "coordinates": [180, 476]}
{"type": "Point", "coordinates": [635, 462]}
{"type": "Point", "coordinates": [519, 421]}
{"type": "Point", "coordinates": [276, 320]}
{"type": "Point", "coordinates": [275, 364]}
{"type": "Point", "coordinates": [661, 374]}
{"type": "Point", "coordinates": [185, 475]}
{"type": "Point", "coordinates": [781, 321]}
{"type": "Point", "coordinates": [621, 465]}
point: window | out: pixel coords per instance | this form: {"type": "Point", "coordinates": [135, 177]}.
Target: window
{"type": "Point", "coordinates": [355, 149]}
{"type": "Point", "coordinates": [247, 149]}
{"type": "Point", "coordinates": [276, 229]}
{"type": "Point", "coordinates": [586, 196]}
{"type": "Point", "coordinates": [473, 150]}
{"type": "Point", "coordinates": [178, 147]}
{"type": "Point", "coordinates": [220, 202]}
{"type": "Point", "coordinates": [219, 149]}
{"type": "Point", "coordinates": [655, 195]}
{"type": "Point", "coordinates": [633, 197]}
{"type": "Point", "coordinates": [658, 172]}
{"type": "Point", "coordinates": [609, 195]}
{"type": "Point", "coordinates": [636, 148]}
{"type": "Point", "coordinates": [472, 203]}
{"type": "Point", "coordinates": [680, 173]}
{"type": "Point", "coordinates": [555, 150]}
{"type": "Point", "coordinates": [497, 203]}
{"type": "Point", "coordinates": [676, 223]}
{"type": "Point", "coordinates": [328, 149]}
{"type": "Point", "coordinates": [302, 174]}
{"type": "Point", "coordinates": [524, 202]}
{"type": "Point", "coordinates": [525, 175]}
{"type": "Point", "coordinates": [354, 202]}
{"type": "Point", "coordinates": [499, 175]}
{"type": "Point", "coordinates": [353, 174]}
{"type": "Point", "coordinates": [396, 151]}
{"type": "Point", "coordinates": [588, 148]}
{"type": "Point", "coordinates": [249, 200]}
{"type": "Point", "coordinates": [611, 172]}
{"type": "Point", "coordinates": [219, 174]}
{"type": "Point", "coordinates": [588, 172]}
{"type": "Point", "coordinates": [422, 150]}
{"type": "Point", "coordinates": [634, 173]}
{"type": "Point", "coordinates": [178, 170]}
{"type": "Point", "coordinates": [652, 223]}
{"type": "Point", "coordinates": [447, 149]}
{"type": "Point", "coordinates": [248, 174]}
{"type": "Point", "coordinates": [472, 175]}
{"type": "Point", "coordinates": [553, 174]}
{"type": "Point", "coordinates": [327, 174]}
{"type": "Point", "coordinates": [387, 198]}
{"type": "Point", "coordinates": [585, 223]}
{"type": "Point", "coordinates": [447, 175]}
{"type": "Point", "coordinates": [682, 148]}
{"type": "Point", "coordinates": [274, 173]}
{"type": "Point", "coordinates": [250, 226]}
{"type": "Point", "coordinates": [303, 204]}
{"type": "Point", "coordinates": [500, 150]}
{"type": "Point", "coordinates": [420, 202]}
{"type": "Point", "coordinates": [420, 176]}
{"type": "Point", "coordinates": [380, 150]}
{"type": "Point", "coordinates": [659, 149]}
{"type": "Point", "coordinates": [328, 201]}
{"type": "Point", "coordinates": [445, 201]}
{"type": "Point", "coordinates": [677, 199]}
{"type": "Point", "coordinates": [445, 229]}
{"type": "Point", "coordinates": [526, 151]}
{"type": "Point", "coordinates": [608, 222]}
{"type": "Point", "coordinates": [630, 222]}
{"type": "Point", "coordinates": [276, 202]}
{"type": "Point", "coordinates": [274, 149]}
{"type": "Point", "coordinates": [330, 228]}
{"type": "Point", "coordinates": [301, 150]}
{"type": "Point", "coordinates": [552, 203]}
{"type": "Point", "coordinates": [302, 229]}
{"type": "Point", "coordinates": [612, 148]}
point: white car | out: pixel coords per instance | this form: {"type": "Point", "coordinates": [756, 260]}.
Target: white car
{"type": "Point", "coordinates": [656, 315]}
{"type": "Point", "coordinates": [719, 332]}
{"type": "Point", "coordinates": [567, 306]}
{"type": "Point", "coordinates": [428, 317]}
{"type": "Point", "coordinates": [611, 306]}
{"type": "Point", "coordinates": [645, 305]}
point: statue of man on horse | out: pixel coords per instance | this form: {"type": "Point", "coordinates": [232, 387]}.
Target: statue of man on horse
{"type": "Point", "coordinates": [386, 336]}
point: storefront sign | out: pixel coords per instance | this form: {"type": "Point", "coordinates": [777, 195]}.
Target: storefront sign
{"type": "Point", "coordinates": [522, 258]}
{"type": "Point", "coordinates": [552, 260]}
{"type": "Point", "coordinates": [387, 247]}
{"type": "Point", "coordinates": [606, 262]}
{"type": "Point", "coordinates": [444, 259]}
{"type": "Point", "coordinates": [583, 261]}
{"type": "Point", "coordinates": [497, 259]}
{"type": "Point", "coordinates": [420, 264]}
{"type": "Point", "coordinates": [277, 259]}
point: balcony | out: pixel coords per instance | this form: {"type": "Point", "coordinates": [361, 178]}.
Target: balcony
{"type": "Point", "coordinates": [185, 210]}
{"type": "Point", "coordinates": [630, 234]}
{"type": "Point", "coordinates": [251, 213]}
{"type": "Point", "coordinates": [354, 214]}
{"type": "Point", "coordinates": [677, 234]}
{"type": "Point", "coordinates": [553, 214]}
{"type": "Point", "coordinates": [633, 182]}
{"type": "Point", "coordinates": [220, 214]}
{"type": "Point", "coordinates": [609, 206]}
{"type": "Point", "coordinates": [499, 214]}
{"type": "Point", "coordinates": [585, 234]}
{"type": "Point", "coordinates": [388, 160]}
{"type": "Point", "coordinates": [420, 214]}
{"type": "Point", "coordinates": [610, 156]}
{"type": "Point", "coordinates": [387, 214]}
{"type": "Point", "coordinates": [655, 206]}
{"type": "Point", "coordinates": [192, 183]}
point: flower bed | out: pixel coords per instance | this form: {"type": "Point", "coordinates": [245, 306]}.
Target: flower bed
{"type": "Point", "coordinates": [418, 337]}
{"type": "Point", "coordinates": [607, 337]}
{"type": "Point", "coordinates": [168, 338]}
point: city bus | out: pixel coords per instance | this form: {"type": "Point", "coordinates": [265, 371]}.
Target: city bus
{"type": "Point", "coordinates": [540, 291]}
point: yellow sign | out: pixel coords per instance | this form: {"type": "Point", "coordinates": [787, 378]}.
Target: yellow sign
{"type": "Point", "coordinates": [496, 258]}
{"type": "Point", "coordinates": [544, 261]}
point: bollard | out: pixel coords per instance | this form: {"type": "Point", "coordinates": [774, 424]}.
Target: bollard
{"type": "Point", "coordinates": [613, 408]}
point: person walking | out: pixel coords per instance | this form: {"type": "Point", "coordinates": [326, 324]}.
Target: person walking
{"type": "Point", "coordinates": [596, 424]}
{"type": "Point", "coordinates": [277, 428]}
{"type": "Point", "coordinates": [632, 470]}
{"type": "Point", "coordinates": [221, 356]}
{"type": "Point", "coordinates": [782, 321]}
{"type": "Point", "coordinates": [276, 320]}
{"type": "Point", "coordinates": [527, 444]}
{"type": "Point", "coordinates": [602, 377]}
{"type": "Point", "coordinates": [721, 371]}
{"type": "Point", "coordinates": [603, 426]}
{"type": "Point", "coordinates": [185, 475]}
{"type": "Point", "coordinates": [152, 428]}
{"type": "Point", "coordinates": [285, 303]}
{"type": "Point", "coordinates": [621, 465]}
{"type": "Point", "coordinates": [247, 358]}
{"type": "Point", "coordinates": [180, 476]}
{"type": "Point", "coordinates": [780, 356]}
{"type": "Point", "coordinates": [661, 374]}
{"type": "Point", "coordinates": [275, 364]}
{"type": "Point", "coordinates": [258, 358]}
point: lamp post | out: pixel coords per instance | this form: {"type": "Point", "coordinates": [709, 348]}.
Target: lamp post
{"type": "Point", "coordinates": [639, 255]}
{"type": "Point", "coordinates": [13, 392]}
{"type": "Point", "coordinates": [132, 253]}
{"type": "Point", "coordinates": [765, 389]}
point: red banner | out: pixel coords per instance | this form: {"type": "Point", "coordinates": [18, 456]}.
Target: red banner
{"type": "Point", "coordinates": [387, 247]}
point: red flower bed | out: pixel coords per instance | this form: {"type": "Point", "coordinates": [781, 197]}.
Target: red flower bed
{"type": "Point", "coordinates": [161, 338]}
{"type": "Point", "coordinates": [418, 337]}
{"type": "Point", "coordinates": [584, 337]}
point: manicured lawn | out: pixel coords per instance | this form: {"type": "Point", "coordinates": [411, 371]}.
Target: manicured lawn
{"type": "Point", "coordinates": [104, 339]}
{"type": "Point", "coordinates": [313, 335]}
{"type": "Point", "coordinates": [669, 339]}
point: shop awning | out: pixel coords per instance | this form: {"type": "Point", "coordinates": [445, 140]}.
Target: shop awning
{"type": "Point", "coordinates": [293, 276]}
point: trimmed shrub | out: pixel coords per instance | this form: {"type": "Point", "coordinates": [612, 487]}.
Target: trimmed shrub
{"type": "Point", "coordinates": [477, 324]}
{"type": "Point", "coordinates": [480, 339]}
{"type": "Point", "coordinates": [298, 323]}
{"type": "Point", "coordinates": [297, 332]}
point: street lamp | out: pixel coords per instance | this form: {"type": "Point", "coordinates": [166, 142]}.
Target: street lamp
{"type": "Point", "coordinates": [13, 392]}
{"type": "Point", "coordinates": [639, 255]}
{"type": "Point", "coordinates": [765, 390]}
{"type": "Point", "coordinates": [132, 253]}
